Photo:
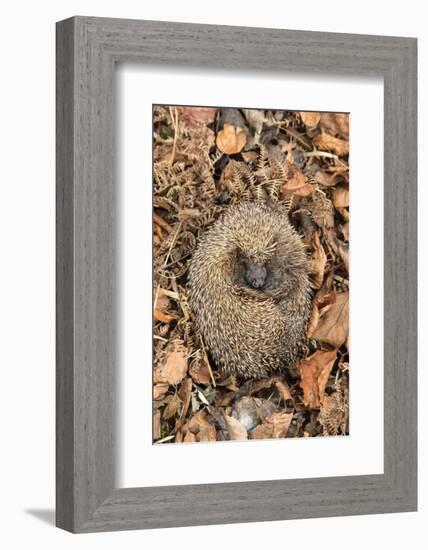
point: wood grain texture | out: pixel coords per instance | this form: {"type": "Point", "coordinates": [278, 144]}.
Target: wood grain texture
{"type": "Point", "coordinates": [87, 49]}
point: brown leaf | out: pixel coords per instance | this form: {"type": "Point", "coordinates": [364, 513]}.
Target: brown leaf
{"type": "Point", "coordinates": [310, 118]}
{"type": "Point", "coordinates": [189, 438]}
{"type": "Point", "coordinates": [317, 263]}
{"type": "Point", "coordinates": [297, 183]}
{"type": "Point", "coordinates": [335, 123]}
{"type": "Point", "coordinates": [188, 214]}
{"type": "Point", "coordinates": [156, 425]}
{"type": "Point", "coordinates": [231, 139]}
{"type": "Point", "coordinates": [200, 371]}
{"type": "Point", "coordinates": [283, 390]}
{"type": "Point", "coordinates": [162, 305]}
{"type": "Point", "coordinates": [322, 301]}
{"type": "Point", "coordinates": [196, 116]}
{"type": "Point", "coordinates": [345, 231]}
{"type": "Point", "coordinates": [328, 180]}
{"type": "Point", "coordinates": [340, 197]}
{"type": "Point", "coordinates": [201, 428]}
{"type": "Point", "coordinates": [327, 142]}
{"type": "Point", "coordinates": [163, 317]}
{"type": "Point", "coordinates": [314, 371]}
{"type": "Point", "coordinates": [236, 430]}
{"type": "Point", "coordinates": [172, 407]}
{"type": "Point", "coordinates": [275, 426]}
{"type": "Point", "coordinates": [159, 390]}
{"type": "Point", "coordinates": [185, 394]}
{"type": "Point", "coordinates": [333, 325]}
{"type": "Point", "coordinates": [174, 367]}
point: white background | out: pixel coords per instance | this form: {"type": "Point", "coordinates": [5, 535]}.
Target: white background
{"type": "Point", "coordinates": [361, 452]}
{"type": "Point", "coordinates": [27, 273]}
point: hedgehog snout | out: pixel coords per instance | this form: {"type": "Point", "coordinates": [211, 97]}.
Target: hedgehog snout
{"type": "Point", "coordinates": [255, 274]}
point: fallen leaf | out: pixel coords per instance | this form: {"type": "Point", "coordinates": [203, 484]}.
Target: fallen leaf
{"type": "Point", "coordinates": [231, 139]}
{"type": "Point", "coordinates": [174, 367]}
{"type": "Point", "coordinates": [310, 118]}
{"type": "Point", "coordinates": [172, 407]}
{"type": "Point", "coordinates": [185, 394]}
{"type": "Point", "coordinates": [159, 390]}
{"type": "Point", "coordinates": [236, 430]}
{"type": "Point", "coordinates": [335, 123]}
{"type": "Point", "coordinates": [345, 231]}
{"type": "Point", "coordinates": [200, 371]}
{"type": "Point", "coordinates": [201, 428]}
{"type": "Point", "coordinates": [340, 197]}
{"type": "Point", "coordinates": [283, 390]}
{"type": "Point", "coordinates": [163, 317]}
{"type": "Point", "coordinates": [328, 180]}
{"type": "Point", "coordinates": [327, 142]}
{"type": "Point", "coordinates": [189, 438]}
{"type": "Point", "coordinates": [322, 301]}
{"type": "Point", "coordinates": [297, 183]}
{"type": "Point", "coordinates": [333, 324]}
{"type": "Point", "coordinates": [156, 425]}
{"type": "Point", "coordinates": [314, 372]}
{"type": "Point", "coordinates": [275, 426]}
{"type": "Point", "coordinates": [195, 116]}
{"type": "Point", "coordinates": [317, 263]}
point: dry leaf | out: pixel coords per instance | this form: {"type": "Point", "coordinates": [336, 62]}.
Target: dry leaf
{"type": "Point", "coordinates": [340, 197]}
{"type": "Point", "coordinates": [172, 407]}
{"type": "Point", "coordinates": [200, 371]}
{"type": "Point", "coordinates": [159, 390]}
{"type": "Point", "coordinates": [333, 324]}
{"type": "Point", "coordinates": [310, 118]}
{"type": "Point", "coordinates": [156, 425]}
{"type": "Point", "coordinates": [335, 123]}
{"type": "Point", "coordinates": [201, 428]}
{"type": "Point", "coordinates": [236, 430]}
{"type": "Point", "coordinates": [317, 263]}
{"type": "Point", "coordinates": [314, 372]}
{"type": "Point", "coordinates": [283, 390]}
{"type": "Point", "coordinates": [163, 317]}
{"type": "Point", "coordinates": [189, 438]}
{"type": "Point", "coordinates": [327, 142]}
{"type": "Point", "coordinates": [275, 426]}
{"type": "Point", "coordinates": [185, 394]}
{"type": "Point", "coordinates": [297, 183]}
{"type": "Point", "coordinates": [328, 180]}
{"type": "Point", "coordinates": [231, 139]}
{"type": "Point", "coordinates": [195, 116]}
{"type": "Point", "coordinates": [322, 301]}
{"type": "Point", "coordinates": [345, 231]}
{"type": "Point", "coordinates": [174, 367]}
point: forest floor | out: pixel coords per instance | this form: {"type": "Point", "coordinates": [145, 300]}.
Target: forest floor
{"type": "Point", "coordinates": [205, 159]}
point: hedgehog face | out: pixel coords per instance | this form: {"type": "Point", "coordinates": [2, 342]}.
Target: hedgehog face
{"type": "Point", "coordinates": [255, 273]}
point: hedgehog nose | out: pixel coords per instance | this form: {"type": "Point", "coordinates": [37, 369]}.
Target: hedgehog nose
{"type": "Point", "coordinates": [258, 282]}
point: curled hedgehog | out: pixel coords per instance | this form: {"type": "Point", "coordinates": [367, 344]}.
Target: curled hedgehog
{"type": "Point", "coordinates": [249, 290]}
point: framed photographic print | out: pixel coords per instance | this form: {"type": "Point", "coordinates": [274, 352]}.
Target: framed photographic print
{"type": "Point", "coordinates": [236, 274]}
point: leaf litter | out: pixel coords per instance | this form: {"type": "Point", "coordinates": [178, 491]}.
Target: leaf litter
{"type": "Point", "coordinates": [205, 159]}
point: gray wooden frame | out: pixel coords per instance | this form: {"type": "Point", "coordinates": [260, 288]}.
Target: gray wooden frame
{"type": "Point", "coordinates": [87, 50]}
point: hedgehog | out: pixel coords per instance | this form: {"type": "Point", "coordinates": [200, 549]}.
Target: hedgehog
{"type": "Point", "coordinates": [249, 291]}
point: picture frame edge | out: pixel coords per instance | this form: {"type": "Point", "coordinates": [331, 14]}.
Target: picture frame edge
{"type": "Point", "coordinates": [87, 50]}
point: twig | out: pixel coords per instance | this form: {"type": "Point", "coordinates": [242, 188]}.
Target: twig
{"type": "Point", "coordinates": [165, 439]}
{"type": "Point", "coordinates": [325, 154]}
{"type": "Point", "coordinates": [175, 126]}
{"type": "Point", "coordinates": [156, 337]}
{"type": "Point", "coordinates": [172, 243]}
